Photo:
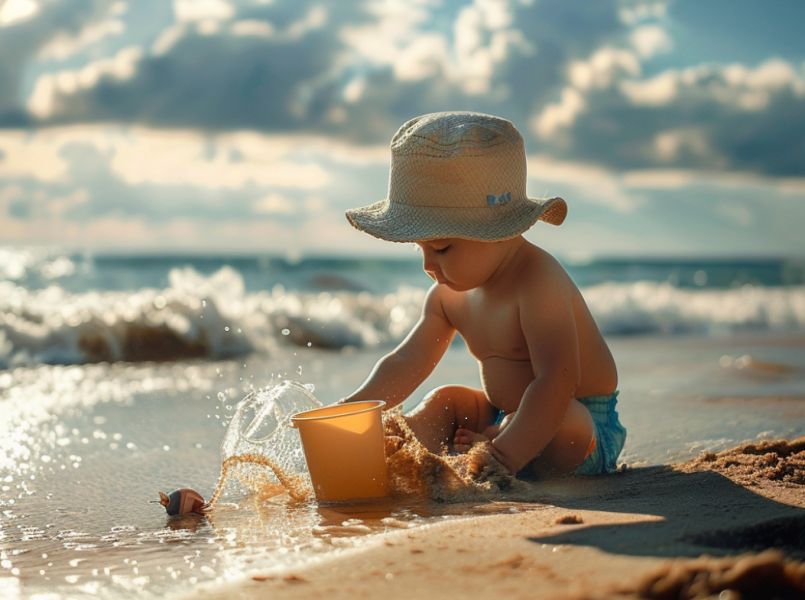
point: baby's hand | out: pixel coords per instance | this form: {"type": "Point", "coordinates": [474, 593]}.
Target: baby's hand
{"type": "Point", "coordinates": [485, 464]}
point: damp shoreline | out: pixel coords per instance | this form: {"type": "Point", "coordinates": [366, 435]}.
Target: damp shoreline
{"type": "Point", "coordinates": [86, 448]}
{"type": "Point", "coordinates": [697, 528]}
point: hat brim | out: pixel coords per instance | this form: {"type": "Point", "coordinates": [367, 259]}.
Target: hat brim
{"type": "Point", "coordinates": [397, 222]}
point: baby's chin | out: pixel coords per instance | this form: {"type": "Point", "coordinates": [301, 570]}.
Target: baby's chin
{"type": "Point", "coordinates": [456, 287]}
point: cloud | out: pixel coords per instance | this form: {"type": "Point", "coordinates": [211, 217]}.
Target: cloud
{"type": "Point", "coordinates": [498, 57]}
{"type": "Point", "coordinates": [203, 10]}
{"type": "Point", "coordinates": [275, 204]}
{"type": "Point", "coordinates": [64, 45]}
{"type": "Point", "coordinates": [100, 187]}
{"type": "Point", "coordinates": [482, 39]}
{"type": "Point", "coordinates": [598, 186]}
{"type": "Point", "coordinates": [598, 71]}
{"type": "Point", "coordinates": [733, 86]}
{"type": "Point", "coordinates": [586, 82]}
{"type": "Point", "coordinates": [663, 179]}
{"type": "Point", "coordinates": [207, 186]}
{"type": "Point", "coordinates": [221, 161]}
{"type": "Point", "coordinates": [17, 11]}
{"type": "Point", "coordinates": [224, 162]}
{"type": "Point", "coordinates": [632, 13]}
{"type": "Point", "coordinates": [649, 40]}
{"type": "Point", "coordinates": [24, 156]}
{"type": "Point", "coordinates": [657, 91]}
{"type": "Point", "coordinates": [27, 27]}
{"type": "Point", "coordinates": [709, 116]}
{"type": "Point", "coordinates": [43, 102]}
{"type": "Point", "coordinates": [187, 78]}
{"type": "Point", "coordinates": [357, 70]}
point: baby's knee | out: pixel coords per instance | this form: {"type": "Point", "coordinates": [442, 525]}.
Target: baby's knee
{"type": "Point", "coordinates": [468, 407]}
{"type": "Point", "coordinates": [446, 395]}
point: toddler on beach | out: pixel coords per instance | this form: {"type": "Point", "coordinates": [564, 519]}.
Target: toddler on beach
{"type": "Point", "coordinates": [457, 188]}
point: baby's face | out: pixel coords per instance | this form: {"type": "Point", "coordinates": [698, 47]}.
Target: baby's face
{"type": "Point", "coordinates": [460, 264]}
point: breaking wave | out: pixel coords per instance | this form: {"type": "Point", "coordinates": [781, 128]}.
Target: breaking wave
{"type": "Point", "coordinates": [215, 317]}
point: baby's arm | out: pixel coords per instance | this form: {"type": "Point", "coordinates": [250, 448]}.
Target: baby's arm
{"type": "Point", "coordinates": [549, 327]}
{"type": "Point", "coordinates": [399, 373]}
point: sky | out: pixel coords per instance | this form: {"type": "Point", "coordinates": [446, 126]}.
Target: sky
{"type": "Point", "coordinates": [672, 127]}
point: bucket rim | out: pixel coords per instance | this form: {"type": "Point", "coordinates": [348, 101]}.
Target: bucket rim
{"type": "Point", "coordinates": [372, 405]}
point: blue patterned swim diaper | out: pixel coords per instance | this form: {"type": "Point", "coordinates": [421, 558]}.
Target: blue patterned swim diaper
{"type": "Point", "coordinates": [610, 435]}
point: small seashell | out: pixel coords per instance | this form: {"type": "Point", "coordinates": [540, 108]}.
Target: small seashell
{"type": "Point", "coordinates": [182, 502]}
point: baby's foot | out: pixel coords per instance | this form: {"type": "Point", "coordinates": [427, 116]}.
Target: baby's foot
{"type": "Point", "coordinates": [465, 438]}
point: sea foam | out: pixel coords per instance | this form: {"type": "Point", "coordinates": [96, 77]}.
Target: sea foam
{"type": "Point", "coordinates": [660, 308]}
{"type": "Point", "coordinates": [194, 317]}
{"type": "Point", "coordinates": [214, 317]}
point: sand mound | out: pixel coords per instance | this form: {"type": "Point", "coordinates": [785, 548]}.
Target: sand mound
{"type": "Point", "coordinates": [441, 477]}
{"type": "Point", "coordinates": [751, 576]}
{"type": "Point", "coordinates": [774, 460]}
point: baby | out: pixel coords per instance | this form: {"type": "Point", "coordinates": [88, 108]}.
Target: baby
{"type": "Point", "coordinates": [547, 402]}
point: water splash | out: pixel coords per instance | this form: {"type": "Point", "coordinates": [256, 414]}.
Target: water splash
{"type": "Point", "coordinates": [297, 486]}
{"type": "Point", "coordinates": [261, 449]}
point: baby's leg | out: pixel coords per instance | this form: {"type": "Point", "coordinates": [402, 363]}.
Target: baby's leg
{"type": "Point", "coordinates": [568, 449]}
{"type": "Point", "coordinates": [434, 420]}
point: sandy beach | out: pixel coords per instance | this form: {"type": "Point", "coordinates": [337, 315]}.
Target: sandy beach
{"type": "Point", "coordinates": [736, 518]}
{"type": "Point", "coordinates": [218, 214]}
{"type": "Point", "coordinates": [66, 534]}
{"type": "Point", "coordinates": [86, 447]}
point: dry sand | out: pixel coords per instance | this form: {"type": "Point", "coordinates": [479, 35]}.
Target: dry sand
{"type": "Point", "coordinates": [683, 531]}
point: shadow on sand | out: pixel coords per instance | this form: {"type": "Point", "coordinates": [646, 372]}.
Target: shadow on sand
{"type": "Point", "coordinates": [687, 514]}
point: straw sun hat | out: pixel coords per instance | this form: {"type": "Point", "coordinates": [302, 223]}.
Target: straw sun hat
{"type": "Point", "coordinates": [456, 175]}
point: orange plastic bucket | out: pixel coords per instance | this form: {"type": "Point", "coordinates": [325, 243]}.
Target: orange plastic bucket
{"type": "Point", "coordinates": [344, 450]}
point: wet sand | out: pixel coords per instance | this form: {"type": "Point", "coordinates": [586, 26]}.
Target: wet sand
{"type": "Point", "coordinates": [158, 426]}
{"type": "Point", "coordinates": [676, 531]}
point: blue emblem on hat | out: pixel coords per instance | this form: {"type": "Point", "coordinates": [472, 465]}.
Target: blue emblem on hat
{"type": "Point", "coordinates": [492, 200]}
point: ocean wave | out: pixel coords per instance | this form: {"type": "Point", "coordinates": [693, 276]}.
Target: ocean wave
{"type": "Point", "coordinates": [660, 308]}
{"type": "Point", "coordinates": [194, 317]}
{"type": "Point", "coordinates": [34, 265]}
{"type": "Point", "coordinates": [214, 317]}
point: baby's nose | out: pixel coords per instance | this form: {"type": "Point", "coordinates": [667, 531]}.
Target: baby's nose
{"type": "Point", "coordinates": [428, 262]}
{"type": "Point", "coordinates": [432, 272]}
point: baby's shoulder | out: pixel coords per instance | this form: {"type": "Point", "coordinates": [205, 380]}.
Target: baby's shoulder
{"type": "Point", "coordinates": [541, 281]}
{"type": "Point", "coordinates": [540, 267]}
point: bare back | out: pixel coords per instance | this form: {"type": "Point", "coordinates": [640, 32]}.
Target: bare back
{"type": "Point", "coordinates": [489, 320]}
